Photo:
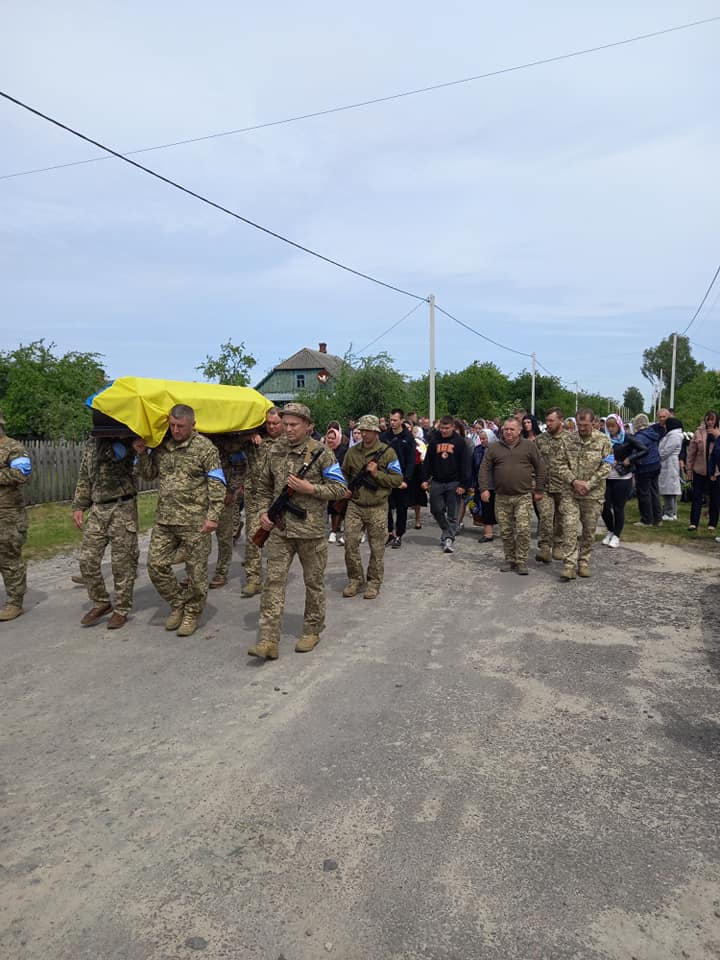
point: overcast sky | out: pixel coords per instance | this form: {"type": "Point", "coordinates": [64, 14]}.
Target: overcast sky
{"type": "Point", "coordinates": [571, 209]}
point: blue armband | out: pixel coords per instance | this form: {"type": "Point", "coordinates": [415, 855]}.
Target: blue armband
{"type": "Point", "coordinates": [334, 473]}
{"type": "Point", "coordinates": [22, 464]}
{"type": "Point", "coordinates": [119, 449]}
{"type": "Point", "coordinates": [394, 467]}
{"type": "Point", "coordinates": [217, 474]}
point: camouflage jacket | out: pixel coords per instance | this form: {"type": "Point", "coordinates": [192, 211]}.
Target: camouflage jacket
{"type": "Point", "coordinates": [552, 449]}
{"type": "Point", "coordinates": [282, 460]}
{"type": "Point", "coordinates": [389, 473]}
{"type": "Point", "coordinates": [191, 486]}
{"type": "Point", "coordinates": [256, 460]}
{"type": "Point", "coordinates": [233, 460]}
{"type": "Point", "coordinates": [106, 473]}
{"type": "Point", "coordinates": [15, 470]}
{"type": "Point", "coordinates": [586, 458]}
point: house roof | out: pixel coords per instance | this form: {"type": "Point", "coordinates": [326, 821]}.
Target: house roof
{"type": "Point", "coordinates": [307, 359]}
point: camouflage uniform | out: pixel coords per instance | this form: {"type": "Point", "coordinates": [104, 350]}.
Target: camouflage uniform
{"type": "Point", "coordinates": [15, 470]}
{"type": "Point", "coordinates": [256, 461]}
{"type": "Point", "coordinates": [106, 490]}
{"type": "Point", "coordinates": [306, 538]}
{"type": "Point", "coordinates": [586, 458]}
{"type": "Point", "coordinates": [552, 449]}
{"type": "Point", "coordinates": [234, 465]}
{"type": "Point", "coordinates": [368, 510]}
{"type": "Point", "coordinates": [191, 490]}
{"type": "Point", "coordinates": [514, 514]}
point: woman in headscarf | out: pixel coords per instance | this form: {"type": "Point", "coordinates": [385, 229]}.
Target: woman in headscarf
{"type": "Point", "coordinates": [625, 451]}
{"type": "Point", "coordinates": [570, 425]}
{"type": "Point", "coordinates": [485, 511]}
{"type": "Point", "coordinates": [669, 484]}
{"type": "Point", "coordinates": [335, 440]}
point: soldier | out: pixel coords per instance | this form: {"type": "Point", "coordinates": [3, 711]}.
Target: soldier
{"type": "Point", "coordinates": [368, 507]}
{"type": "Point", "coordinates": [15, 470]}
{"type": "Point", "coordinates": [106, 490]}
{"type": "Point", "coordinates": [583, 469]}
{"type": "Point", "coordinates": [256, 451]}
{"type": "Point", "coordinates": [234, 466]}
{"type": "Point", "coordinates": [191, 495]}
{"type": "Point", "coordinates": [551, 445]}
{"type": "Point", "coordinates": [518, 472]}
{"type": "Point", "coordinates": [306, 538]}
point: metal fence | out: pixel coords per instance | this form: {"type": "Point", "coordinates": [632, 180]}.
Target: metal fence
{"type": "Point", "coordinates": [56, 465]}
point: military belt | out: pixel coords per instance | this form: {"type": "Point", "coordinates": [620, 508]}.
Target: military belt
{"type": "Point", "coordinates": [128, 496]}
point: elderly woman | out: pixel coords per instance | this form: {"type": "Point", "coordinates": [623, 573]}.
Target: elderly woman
{"type": "Point", "coordinates": [485, 511]}
{"type": "Point", "coordinates": [669, 483]}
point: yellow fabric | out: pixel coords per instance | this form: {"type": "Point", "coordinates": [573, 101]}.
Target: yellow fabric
{"type": "Point", "coordinates": [143, 405]}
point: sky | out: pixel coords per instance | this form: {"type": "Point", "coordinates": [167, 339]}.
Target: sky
{"type": "Point", "coordinates": [569, 210]}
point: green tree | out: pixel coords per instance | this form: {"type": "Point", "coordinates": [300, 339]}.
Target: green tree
{"type": "Point", "coordinates": [696, 397]}
{"type": "Point", "coordinates": [634, 401]}
{"type": "Point", "coordinates": [43, 395]}
{"type": "Point", "coordinates": [659, 358]}
{"type": "Point", "coordinates": [232, 366]}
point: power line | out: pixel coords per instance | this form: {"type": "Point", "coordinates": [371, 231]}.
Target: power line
{"type": "Point", "coordinates": [396, 324]}
{"type": "Point", "coordinates": [375, 100]}
{"type": "Point", "coordinates": [482, 335]}
{"type": "Point", "coordinates": [210, 203]}
{"type": "Point", "coordinates": [709, 349]}
{"type": "Point", "coordinates": [702, 302]}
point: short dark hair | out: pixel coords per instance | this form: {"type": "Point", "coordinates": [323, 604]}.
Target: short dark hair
{"type": "Point", "coordinates": [555, 410]}
{"type": "Point", "coordinates": [397, 410]}
{"type": "Point", "coordinates": [447, 421]}
{"type": "Point", "coordinates": [585, 413]}
{"type": "Point", "coordinates": [181, 411]}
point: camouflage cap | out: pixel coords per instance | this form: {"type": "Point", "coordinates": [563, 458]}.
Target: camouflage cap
{"type": "Point", "coordinates": [296, 410]}
{"type": "Point", "coordinates": [369, 422]}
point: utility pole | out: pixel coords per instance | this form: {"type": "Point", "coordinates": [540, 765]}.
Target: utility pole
{"type": "Point", "coordinates": [431, 378]}
{"type": "Point", "coordinates": [532, 394]}
{"type": "Point", "coordinates": [661, 387]}
{"type": "Point", "coordinates": [672, 372]}
{"type": "Point", "coordinates": [576, 395]}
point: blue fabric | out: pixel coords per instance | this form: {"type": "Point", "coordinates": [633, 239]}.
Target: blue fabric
{"type": "Point", "coordinates": [217, 474]}
{"type": "Point", "coordinates": [237, 457]}
{"type": "Point", "coordinates": [334, 473]}
{"type": "Point", "coordinates": [650, 463]}
{"type": "Point", "coordinates": [394, 467]}
{"type": "Point", "coordinates": [119, 449]}
{"type": "Point", "coordinates": [88, 402]}
{"type": "Point", "coordinates": [22, 464]}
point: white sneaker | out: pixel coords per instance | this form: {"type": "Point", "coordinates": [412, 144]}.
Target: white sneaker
{"type": "Point", "coordinates": [614, 541]}
{"type": "Point", "coordinates": [448, 546]}
{"type": "Point", "coordinates": [669, 516]}
{"type": "Point", "coordinates": [606, 539]}
{"type": "Point", "coordinates": [332, 538]}
{"type": "Point", "coordinates": [341, 540]}
{"type": "Point", "coordinates": [363, 538]}
{"type": "Point", "coordinates": [717, 539]}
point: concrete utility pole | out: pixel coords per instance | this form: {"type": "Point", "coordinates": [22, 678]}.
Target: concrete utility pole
{"type": "Point", "coordinates": [431, 378]}
{"type": "Point", "coordinates": [576, 395]}
{"type": "Point", "coordinates": [672, 372]}
{"type": "Point", "coordinates": [532, 393]}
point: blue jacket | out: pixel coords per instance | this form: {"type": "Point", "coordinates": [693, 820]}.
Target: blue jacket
{"type": "Point", "coordinates": [649, 437]}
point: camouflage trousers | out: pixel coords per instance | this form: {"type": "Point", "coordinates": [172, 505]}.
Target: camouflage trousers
{"type": "Point", "coordinates": [13, 533]}
{"type": "Point", "coordinates": [165, 542]}
{"type": "Point", "coordinates": [224, 535]}
{"type": "Point", "coordinates": [374, 520]}
{"type": "Point", "coordinates": [115, 524]}
{"type": "Point", "coordinates": [550, 532]}
{"type": "Point", "coordinates": [514, 514]}
{"type": "Point", "coordinates": [253, 555]}
{"type": "Point", "coordinates": [576, 510]}
{"type": "Point", "coordinates": [313, 559]}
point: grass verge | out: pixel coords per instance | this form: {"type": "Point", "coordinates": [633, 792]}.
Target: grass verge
{"type": "Point", "coordinates": [671, 531]}
{"type": "Point", "coordinates": [51, 530]}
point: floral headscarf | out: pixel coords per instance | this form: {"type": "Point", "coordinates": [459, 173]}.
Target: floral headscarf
{"type": "Point", "coordinates": [620, 438]}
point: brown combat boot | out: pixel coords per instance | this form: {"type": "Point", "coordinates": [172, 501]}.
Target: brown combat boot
{"type": "Point", "coordinates": [557, 553]}
{"type": "Point", "coordinates": [175, 618]}
{"type": "Point", "coordinates": [583, 569]}
{"type": "Point", "coordinates": [11, 611]}
{"type": "Point", "coordinates": [371, 591]}
{"type": "Point", "coordinates": [265, 649]}
{"type": "Point", "coordinates": [352, 588]}
{"type": "Point", "coordinates": [78, 578]}
{"type": "Point", "coordinates": [95, 615]}
{"type": "Point", "coordinates": [507, 566]}
{"type": "Point", "coordinates": [219, 580]}
{"type": "Point", "coordinates": [189, 625]}
{"type": "Point", "coordinates": [522, 569]}
{"type": "Point", "coordinates": [307, 642]}
{"type": "Point", "coordinates": [117, 620]}
{"type": "Point", "coordinates": [251, 588]}
{"type": "Point", "coordinates": [568, 572]}
{"type": "Point", "coordinates": [543, 555]}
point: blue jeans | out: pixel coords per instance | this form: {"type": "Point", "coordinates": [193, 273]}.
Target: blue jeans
{"type": "Point", "coordinates": [444, 504]}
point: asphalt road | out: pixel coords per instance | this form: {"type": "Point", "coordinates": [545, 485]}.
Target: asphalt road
{"type": "Point", "coordinates": [476, 765]}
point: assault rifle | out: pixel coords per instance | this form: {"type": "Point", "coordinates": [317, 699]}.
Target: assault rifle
{"type": "Point", "coordinates": [363, 479]}
{"type": "Point", "coordinates": [283, 502]}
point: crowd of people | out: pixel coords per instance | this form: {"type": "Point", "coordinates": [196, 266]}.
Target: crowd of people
{"type": "Point", "coordinates": [300, 492]}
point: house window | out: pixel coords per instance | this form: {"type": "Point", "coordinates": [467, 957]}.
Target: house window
{"type": "Point", "coordinates": [299, 381]}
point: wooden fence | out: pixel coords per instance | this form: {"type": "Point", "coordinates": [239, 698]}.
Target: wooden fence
{"type": "Point", "coordinates": [56, 464]}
